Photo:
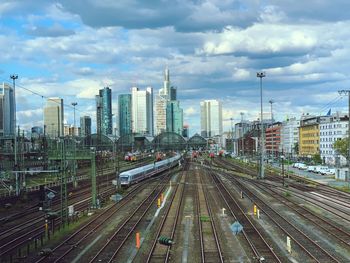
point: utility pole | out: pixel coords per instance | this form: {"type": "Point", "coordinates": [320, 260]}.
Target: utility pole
{"type": "Point", "coordinates": [75, 183]}
{"type": "Point", "coordinates": [14, 77]}
{"type": "Point", "coordinates": [242, 132]}
{"type": "Point", "coordinates": [261, 75]}
{"type": "Point", "coordinates": [347, 92]}
{"type": "Point", "coordinates": [232, 134]}
{"type": "Point", "coordinates": [272, 131]}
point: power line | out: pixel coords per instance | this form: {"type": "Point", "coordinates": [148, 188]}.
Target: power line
{"type": "Point", "coordinates": [49, 99]}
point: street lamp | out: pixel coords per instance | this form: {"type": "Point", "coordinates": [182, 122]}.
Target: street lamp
{"type": "Point", "coordinates": [14, 77]}
{"type": "Point", "coordinates": [75, 183]}
{"type": "Point", "coordinates": [261, 75]}
{"type": "Point", "coordinates": [347, 92]}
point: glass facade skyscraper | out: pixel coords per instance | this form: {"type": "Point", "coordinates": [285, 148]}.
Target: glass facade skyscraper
{"type": "Point", "coordinates": [85, 126]}
{"type": "Point", "coordinates": [104, 111]}
{"type": "Point", "coordinates": [124, 107]}
{"type": "Point", "coordinates": [211, 118]}
{"type": "Point", "coordinates": [174, 120]}
{"type": "Point", "coordinates": [53, 117]}
{"type": "Point", "coordinates": [7, 110]}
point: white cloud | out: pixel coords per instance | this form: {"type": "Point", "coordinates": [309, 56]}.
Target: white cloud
{"type": "Point", "coordinates": [190, 111]}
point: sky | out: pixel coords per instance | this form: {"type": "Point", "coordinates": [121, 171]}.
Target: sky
{"type": "Point", "coordinates": [213, 49]}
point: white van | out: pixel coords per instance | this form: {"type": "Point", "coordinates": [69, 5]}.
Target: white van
{"type": "Point", "coordinates": [311, 168]}
{"type": "Point", "coordinates": [321, 169]}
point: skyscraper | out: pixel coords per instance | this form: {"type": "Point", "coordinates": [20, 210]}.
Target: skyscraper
{"type": "Point", "coordinates": [124, 107]}
{"type": "Point", "coordinates": [85, 126]}
{"type": "Point", "coordinates": [104, 111]}
{"type": "Point", "coordinates": [160, 113]}
{"type": "Point", "coordinates": [211, 118]}
{"type": "Point", "coordinates": [167, 111]}
{"type": "Point", "coordinates": [142, 110]}
{"type": "Point", "coordinates": [53, 117]}
{"type": "Point", "coordinates": [174, 121]}
{"type": "Point", "coordinates": [7, 110]}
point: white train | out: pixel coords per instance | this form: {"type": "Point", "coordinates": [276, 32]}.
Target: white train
{"type": "Point", "coordinates": [138, 174]}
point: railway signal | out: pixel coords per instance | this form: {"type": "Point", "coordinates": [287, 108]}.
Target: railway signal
{"type": "Point", "coordinates": [165, 241]}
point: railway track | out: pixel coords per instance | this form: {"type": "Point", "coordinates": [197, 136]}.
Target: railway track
{"type": "Point", "coordinates": [305, 193]}
{"type": "Point", "coordinates": [114, 244]}
{"type": "Point", "coordinates": [306, 243]}
{"type": "Point", "coordinates": [336, 231]}
{"type": "Point", "coordinates": [209, 242]}
{"type": "Point", "coordinates": [167, 226]}
{"type": "Point", "coordinates": [35, 229]}
{"type": "Point", "coordinates": [66, 247]}
{"type": "Point", "coordinates": [260, 248]}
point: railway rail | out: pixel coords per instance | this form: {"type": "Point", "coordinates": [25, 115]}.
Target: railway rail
{"type": "Point", "coordinates": [304, 241]}
{"type": "Point", "coordinates": [261, 249]}
{"type": "Point", "coordinates": [167, 226]}
{"type": "Point", "coordinates": [336, 231]}
{"type": "Point", "coordinates": [337, 208]}
{"type": "Point", "coordinates": [114, 244]}
{"type": "Point", "coordinates": [211, 250]}
{"type": "Point", "coordinates": [63, 249]}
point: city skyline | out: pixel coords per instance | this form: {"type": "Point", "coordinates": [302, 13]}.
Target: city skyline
{"type": "Point", "coordinates": [302, 53]}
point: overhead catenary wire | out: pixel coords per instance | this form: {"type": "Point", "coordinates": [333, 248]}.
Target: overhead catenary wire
{"type": "Point", "coordinates": [49, 99]}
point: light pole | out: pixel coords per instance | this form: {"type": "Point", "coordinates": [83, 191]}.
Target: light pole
{"type": "Point", "coordinates": [75, 183]}
{"type": "Point", "coordinates": [232, 134]}
{"type": "Point", "coordinates": [272, 149]}
{"type": "Point", "coordinates": [347, 92]}
{"type": "Point", "coordinates": [261, 75]}
{"type": "Point", "coordinates": [242, 133]}
{"type": "Point", "coordinates": [14, 77]}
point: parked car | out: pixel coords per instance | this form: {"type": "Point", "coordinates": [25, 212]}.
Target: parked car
{"type": "Point", "coordinates": [311, 168]}
{"type": "Point", "coordinates": [297, 165]}
{"type": "Point", "coordinates": [302, 166]}
{"type": "Point", "coordinates": [330, 171]}
{"type": "Point", "coordinates": [320, 169]}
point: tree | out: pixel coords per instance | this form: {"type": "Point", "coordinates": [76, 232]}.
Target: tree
{"type": "Point", "coordinates": [296, 148]}
{"type": "Point", "coordinates": [341, 146]}
{"type": "Point", "coordinates": [317, 158]}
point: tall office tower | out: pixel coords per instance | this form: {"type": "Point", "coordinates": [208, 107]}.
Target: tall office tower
{"type": "Point", "coordinates": [142, 110]}
{"type": "Point", "coordinates": [85, 126]}
{"type": "Point", "coordinates": [172, 95]}
{"type": "Point", "coordinates": [166, 83]}
{"type": "Point", "coordinates": [7, 110]}
{"type": "Point", "coordinates": [160, 113]}
{"type": "Point", "coordinates": [54, 117]}
{"type": "Point", "coordinates": [124, 107]}
{"type": "Point", "coordinates": [98, 100]}
{"type": "Point", "coordinates": [211, 118]}
{"type": "Point", "coordinates": [174, 120]}
{"type": "Point", "coordinates": [104, 111]}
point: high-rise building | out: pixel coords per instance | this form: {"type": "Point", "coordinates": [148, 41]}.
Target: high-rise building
{"type": "Point", "coordinates": [124, 107]}
{"type": "Point", "coordinates": [85, 126]}
{"type": "Point", "coordinates": [54, 117]}
{"type": "Point", "coordinates": [7, 110]}
{"type": "Point", "coordinates": [104, 111]}
{"type": "Point", "coordinates": [174, 120]}
{"type": "Point", "coordinates": [160, 113]}
{"type": "Point", "coordinates": [169, 115]}
{"type": "Point", "coordinates": [142, 110]}
{"type": "Point", "coordinates": [173, 95]}
{"type": "Point", "coordinates": [211, 118]}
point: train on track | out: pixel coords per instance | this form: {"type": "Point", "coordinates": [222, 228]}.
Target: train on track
{"type": "Point", "coordinates": [133, 176]}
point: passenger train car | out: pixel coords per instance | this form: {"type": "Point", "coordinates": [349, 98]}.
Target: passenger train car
{"type": "Point", "coordinates": [138, 174]}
